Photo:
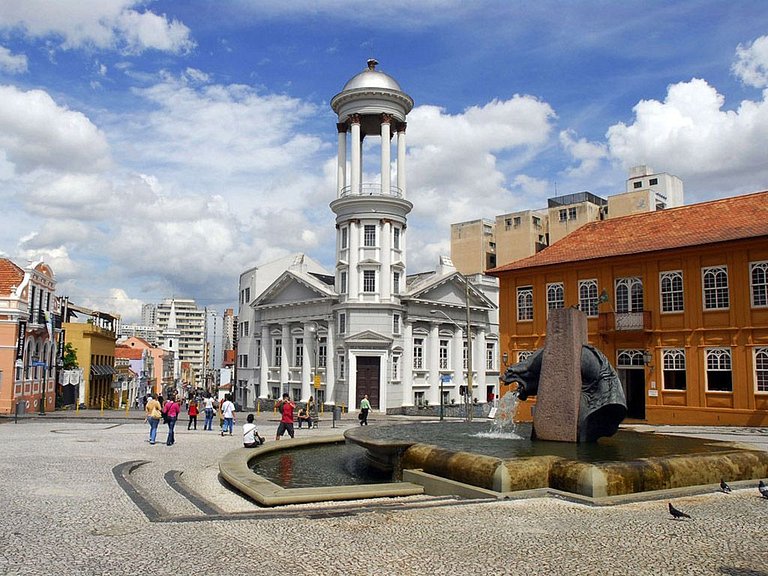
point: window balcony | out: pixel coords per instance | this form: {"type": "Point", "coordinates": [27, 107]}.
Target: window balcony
{"type": "Point", "coordinates": [624, 322]}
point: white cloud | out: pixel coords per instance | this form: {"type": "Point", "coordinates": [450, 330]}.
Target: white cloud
{"type": "Point", "coordinates": [751, 65]}
{"type": "Point", "coordinates": [36, 133]}
{"type": "Point", "coordinates": [12, 63]}
{"type": "Point", "coordinates": [690, 134]}
{"type": "Point", "coordinates": [105, 24]}
{"type": "Point", "coordinates": [588, 154]}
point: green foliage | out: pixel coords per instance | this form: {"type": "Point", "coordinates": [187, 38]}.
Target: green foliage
{"type": "Point", "coordinates": [70, 357]}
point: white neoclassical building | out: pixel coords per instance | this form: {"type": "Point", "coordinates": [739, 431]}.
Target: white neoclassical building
{"type": "Point", "coordinates": [367, 327]}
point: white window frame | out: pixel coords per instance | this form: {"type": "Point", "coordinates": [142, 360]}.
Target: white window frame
{"type": "Point", "coordinates": [673, 360]}
{"type": "Point", "coordinates": [395, 323]}
{"type": "Point", "coordinates": [490, 356]}
{"type": "Point", "coordinates": [342, 323]}
{"type": "Point", "coordinates": [758, 284]}
{"type": "Point", "coordinates": [524, 355]}
{"type": "Point", "coordinates": [418, 353]}
{"type": "Point", "coordinates": [277, 351]}
{"type": "Point", "coordinates": [718, 360]}
{"type": "Point", "coordinates": [525, 303]}
{"type": "Point", "coordinates": [298, 352]}
{"type": "Point", "coordinates": [671, 292]}
{"type": "Point", "coordinates": [369, 281]}
{"type": "Point", "coordinates": [761, 370]}
{"type": "Point", "coordinates": [588, 297]}
{"type": "Point", "coordinates": [343, 282]}
{"type": "Point", "coordinates": [629, 295]}
{"type": "Point", "coordinates": [396, 237]}
{"type": "Point", "coordinates": [322, 352]}
{"type": "Point", "coordinates": [396, 367]}
{"type": "Point", "coordinates": [369, 235]}
{"type": "Point", "coordinates": [257, 362]}
{"type": "Point", "coordinates": [715, 294]}
{"type": "Point", "coordinates": [342, 363]}
{"type": "Point", "coordinates": [344, 242]}
{"type": "Point", "coordinates": [443, 354]}
{"type": "Point", "coordinates": [555, 296]}
{"type": "Point", "coordinates": [395, 282]}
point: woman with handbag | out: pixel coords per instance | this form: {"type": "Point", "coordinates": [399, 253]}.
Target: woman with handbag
{"type": "Point", "coordinates": [171, 410]}
{"type": "Point", "coordinates": [154, 414]}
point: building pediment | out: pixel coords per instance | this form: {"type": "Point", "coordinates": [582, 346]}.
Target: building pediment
{"type": "Point", "coordinates": [450, 291]}
{"type": "Point", "coordinates": [292, 288]}
{"type": "Point", "coordinates": [368, 338]}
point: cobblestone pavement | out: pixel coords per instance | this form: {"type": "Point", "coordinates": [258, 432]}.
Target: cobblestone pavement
{"type": "Point", "coordinates": [65, 513]}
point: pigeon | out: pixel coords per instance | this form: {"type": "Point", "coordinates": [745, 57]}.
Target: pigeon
{"type": "Point", "coordinates": [724, 487]}
{"type": "Point", "coordinates": [763, 489]}
{"type": "Point", "coordinates": [677, 514]}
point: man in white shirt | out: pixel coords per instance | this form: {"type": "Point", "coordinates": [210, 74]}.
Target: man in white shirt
{"type": "Point", "coordinates": [228, 414]}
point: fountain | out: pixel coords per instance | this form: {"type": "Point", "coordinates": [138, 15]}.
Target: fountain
{"type": "Point", "coordinates": [574, 445]}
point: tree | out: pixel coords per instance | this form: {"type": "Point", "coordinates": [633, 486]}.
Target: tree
{"type": "Point", "coordinates": [70, 357]}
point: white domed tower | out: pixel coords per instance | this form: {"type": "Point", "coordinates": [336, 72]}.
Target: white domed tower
{"type": "Point", "coordinates": [371, 217]}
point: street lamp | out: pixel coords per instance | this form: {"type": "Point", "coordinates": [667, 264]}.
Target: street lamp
{"type": "Point", "coordinates": [469, 356]}
{"type": "Point", "coordinates": [314, 328]}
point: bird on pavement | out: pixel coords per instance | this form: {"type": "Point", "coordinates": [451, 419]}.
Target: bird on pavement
{"type": "Point", "coordinates": [724, 487]}
{"type": "Point", "coordinates": [677, 514]}
{"type": "Point", "coordinates": [763, 489]}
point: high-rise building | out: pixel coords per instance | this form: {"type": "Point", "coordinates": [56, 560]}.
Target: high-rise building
{"type": "Point", "coordinates": [181, 323]}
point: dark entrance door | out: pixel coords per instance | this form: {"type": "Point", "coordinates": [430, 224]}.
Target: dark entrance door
{"type": "Point", "coordinates": [634, 388]}
{"type": "Point", "coordinates": [368, 379]}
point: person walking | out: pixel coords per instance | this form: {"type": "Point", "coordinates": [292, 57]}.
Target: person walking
{"type": "Point", "coordinates": [154, 414]}
{"type": "Point", "coordinates": [228, 414]}
{"type": "Point", "coordinates": [171, 410]}
{"type": "Point", "coordinates": [365, 407]}
{"type": "Point", "coordinates": [209, 411]}
{"type": "Point", "coordinates": [192, 411]}
{"type": "Point", "coordinates": [251, 438]}
{"type": "Point", "coordinates": [285, 406]}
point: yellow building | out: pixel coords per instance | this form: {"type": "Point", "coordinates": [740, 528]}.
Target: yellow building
{"type": "Point", "coordinates": [94, 342]}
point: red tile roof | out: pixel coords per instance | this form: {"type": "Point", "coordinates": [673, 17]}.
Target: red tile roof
{"type": "Point", "coordinates": [733, 218]}
{"type": "Point", "coordinates": [10, 276]}
{"type": "Point", "coordinates": [128, 352]}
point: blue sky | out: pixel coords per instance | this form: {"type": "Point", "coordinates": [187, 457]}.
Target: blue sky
{"type": "Point", "coordinates": [152, 149]}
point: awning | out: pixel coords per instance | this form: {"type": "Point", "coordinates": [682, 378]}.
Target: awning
{"type": "Point", "coordinates": [102, 370]}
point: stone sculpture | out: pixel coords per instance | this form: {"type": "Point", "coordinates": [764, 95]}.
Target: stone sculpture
{"type": "Point", "coordinates": [579, 396]}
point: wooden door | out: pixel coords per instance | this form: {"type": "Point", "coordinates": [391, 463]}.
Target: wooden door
{"type": "Point", "coordinates": [368, 369]}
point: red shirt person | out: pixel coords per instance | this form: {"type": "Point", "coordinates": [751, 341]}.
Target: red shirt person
{"type": "Point", "coordinates": [285, 406]}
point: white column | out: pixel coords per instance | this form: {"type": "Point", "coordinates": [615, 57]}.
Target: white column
{"type": "Point", "coordinates": [353, 287]}
{"type": "Point", "coordinates": [285, 360]}
{"type": "Point", "coordinates": [356, 154]}
{"type": "Point", "coordinates": [401, 158]}
{"type": "Point", "coordinates": [433, 395]}
{"type": "Point", "coordinates": [330, 364]}
{"type": "Point", "coordinates": [458, 361]}
{"type": "Point", "coordinates": [341, 169]}
{"type": "Point", "coordinates": [386, 176]}
{"type": "Point", "coordinates": [266, 346]}
{"type": "Point", "coordinates": [406, 364]}
{"type": "Point", "coordinates": [385, 273]}
{"type": "Point", "coordinates": [309, 363]}
{"type": "Point", "coordinates": [479, 359]}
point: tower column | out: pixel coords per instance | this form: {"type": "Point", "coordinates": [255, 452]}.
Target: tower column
{"type": "Point", "coordinates": [458, 359]}
{"type": "Point", "coordinates": [285, 359]}
{"type": "Point", "coordinates": [385, 280]}
{"type": "Point", "coordinates": [386, 175]}
{"type": "Point", "coordinates": [341, 169]}
{"type": "Point", "coordinates": [406, 363]}
{"type": "Point", "coordinates": [354, 258]}
{"type": "Point", "coordinates": [309, 359]}
{"type": "Point", "coordinates": [357, 154]}
{"type": "Point", "coordinates": [330, 364]}
{"type": "Point", "coordinates": [481, 392]}
{"type": "Point", "coordinates": [401, 157]}
{"type": "Point", "coordinates": [266, 346]}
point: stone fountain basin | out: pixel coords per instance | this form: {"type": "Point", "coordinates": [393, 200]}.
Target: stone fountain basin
{"type": "Point", "coordinates": [682, 466]}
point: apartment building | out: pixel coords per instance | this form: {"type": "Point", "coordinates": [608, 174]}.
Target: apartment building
{"type": "Point", "coordinates": [183, 316]}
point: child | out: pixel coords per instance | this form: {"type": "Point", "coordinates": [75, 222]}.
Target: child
{"type": "Point", "coordinates": [192, 409]}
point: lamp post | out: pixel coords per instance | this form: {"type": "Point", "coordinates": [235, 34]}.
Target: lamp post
{"type": "Point", "coordinates": [314, 328]}
{"type": "Point", "coordinates": [469, 356]}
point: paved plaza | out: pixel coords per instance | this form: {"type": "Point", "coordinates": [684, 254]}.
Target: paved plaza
{"type": "Point", "coordinates": [64, 512]}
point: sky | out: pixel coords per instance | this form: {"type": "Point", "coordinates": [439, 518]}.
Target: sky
{"type": "Point", "coordinates": [157, 149]}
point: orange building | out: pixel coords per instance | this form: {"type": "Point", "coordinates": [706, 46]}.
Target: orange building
{"type": "Point", "coordinates": [29, 327]}
{"type": "Point", "coordinates": [677, 299]}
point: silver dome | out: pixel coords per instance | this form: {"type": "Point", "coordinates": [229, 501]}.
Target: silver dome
{"type": "Point", "coordinates": [372, 78]}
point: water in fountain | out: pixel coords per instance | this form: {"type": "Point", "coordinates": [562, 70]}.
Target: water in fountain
{"type": "Point", "coordinates": [503, 424]}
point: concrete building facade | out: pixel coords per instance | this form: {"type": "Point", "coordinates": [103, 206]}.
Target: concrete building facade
{"type": "Point", "coordinates": [181, 328]}
{"type": "Point", "coordinates": [366, 327]}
